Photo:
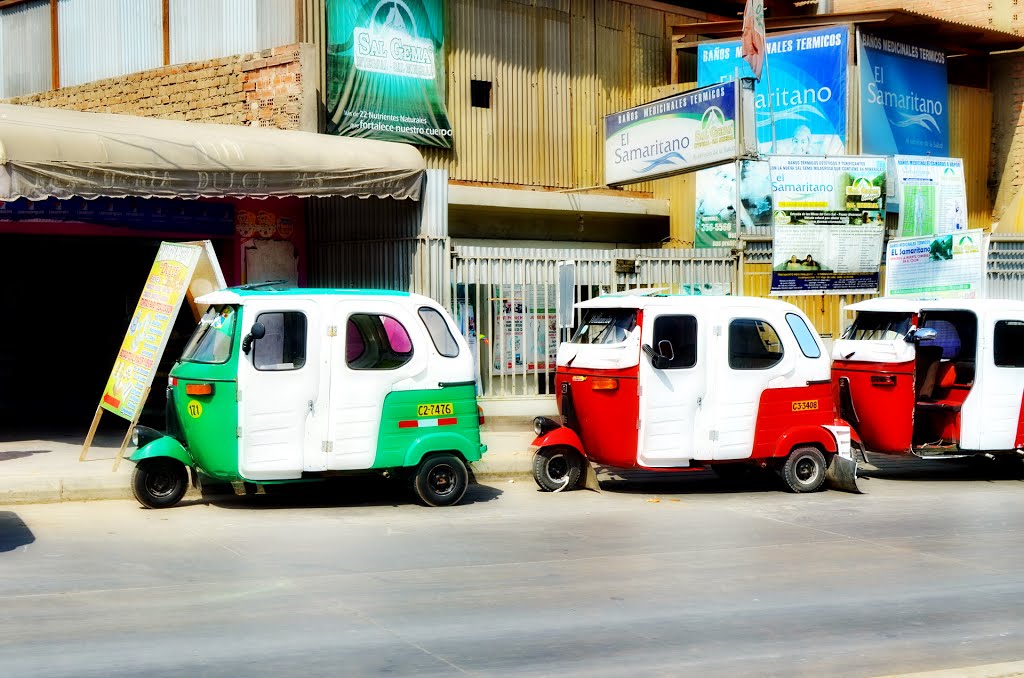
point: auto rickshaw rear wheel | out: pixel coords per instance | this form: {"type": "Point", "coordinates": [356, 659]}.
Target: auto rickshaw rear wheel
{"type": "Point", "coordinates": [557, 468]}
{"type": "Point", "coordinates": [441, 480]}
{"type": "Point", "coordinates": [804, 470]}
{"type": "Point", "coordinates": [159, 482]}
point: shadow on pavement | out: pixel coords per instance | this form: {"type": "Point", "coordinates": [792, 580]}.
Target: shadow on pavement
{"type": "Point", "coordinates": [8, 455]}
{"type": "Point", "coordinates": [910, 468]}
{"type": "Point", "coordinates": [686, 482]}
{"type": "Point", "coordinates": [371, 490]}
{"type": "Point", "coordinates": [14, 532]}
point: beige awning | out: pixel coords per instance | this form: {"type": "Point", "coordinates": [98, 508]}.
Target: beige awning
{"type": "Point", "coordinates": [49, 152]}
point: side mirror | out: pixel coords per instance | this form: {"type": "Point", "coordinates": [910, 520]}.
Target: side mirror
{"type": "Point", "coordinates": [257, 331]}
{"type": "Point", "coordinates": [666, 351]}
{"type": "Point", "coordinates": [923, 334]}
{"type": "Point", "coordinates": [663, 356]}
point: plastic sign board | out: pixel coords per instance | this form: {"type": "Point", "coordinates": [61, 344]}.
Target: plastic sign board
{"type": "Point", "coordinates": [903, 98]}
{"type": "Point", "coordinates": [931, 194]}
{"type": "Point", "coordinates": [680, 133]}
{"type": "Point", "coordinates": [807, 100]}
{"type": "Point", "coordinates": [829, 220]}
{"type": "Point", "coordinates": [943, 266]}
{"type": "Point", "coordinates": [172, 277]}
{"type": "Point", "coordinates": [385, 71]}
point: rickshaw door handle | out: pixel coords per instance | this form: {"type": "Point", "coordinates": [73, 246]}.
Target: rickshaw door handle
{"type": "Point", "coordinates": [311, 407]}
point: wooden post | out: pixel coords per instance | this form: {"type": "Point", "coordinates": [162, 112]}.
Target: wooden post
{"type": "Point", "coordinates": [91, 433]}
{"type": "Point", "coordinates": [131, 427]}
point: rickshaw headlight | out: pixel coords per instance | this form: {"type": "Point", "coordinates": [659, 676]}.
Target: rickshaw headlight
{"type": "Point", "coordinates": [135, 437]}
{"type": "Point", "coordinates": [542, 425]}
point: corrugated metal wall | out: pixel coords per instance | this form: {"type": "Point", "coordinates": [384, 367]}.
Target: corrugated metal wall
{"type": "Point", "coordinates": [970, 138]}
{"type": "Point", "coordinates": [207, 29]}
{"type": "Point", "coordinates": [25, 62]}
{"type": "Point", "coordinates": [556, 68]}
{"type": "Point", "coordinates": [109, 38]}
{"type": "Point", "coordinates": [382, 243]}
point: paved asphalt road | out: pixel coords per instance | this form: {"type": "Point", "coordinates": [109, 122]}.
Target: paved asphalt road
{"type": "Point", "coordinates": [687, 577]}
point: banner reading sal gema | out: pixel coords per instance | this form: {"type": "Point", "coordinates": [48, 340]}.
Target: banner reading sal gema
{"type": "Point", "coordinates": [150, 326]}
{"type": "Point", "coordinates": [385, 71]}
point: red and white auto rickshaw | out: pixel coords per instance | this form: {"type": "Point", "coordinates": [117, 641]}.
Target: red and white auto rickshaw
{"type": "Point", "coordinates": [938, 378]}
{"type": "Point", "coordinates": [686, 382]}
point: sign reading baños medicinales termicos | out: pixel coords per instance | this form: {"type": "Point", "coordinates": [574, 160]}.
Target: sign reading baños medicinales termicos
{"type": "Point", "coordinates": [385, 71]}
{"type": "Point", "coordinates": [680, 133]}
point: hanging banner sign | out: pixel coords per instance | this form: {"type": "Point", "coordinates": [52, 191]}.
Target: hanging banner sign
{"type": "Point", "coordinates": [732, 201]}
{"type": "Point", "coordinates": [931, 194]}
{"type": "Point", "coordinates": [903, 98]}
{"type": "Point", "coordinates": [807, 99]}
{"type": "Point", "coordinates": [946, 266]}
{"type": "Point", "coordinates": [677, 134]}
{"type": "Point", "coordinates": [179, 268]}
{"type": "Point", "coordinates": [385, 71]}
{"type": "Point", "coordinates": [829, 224]}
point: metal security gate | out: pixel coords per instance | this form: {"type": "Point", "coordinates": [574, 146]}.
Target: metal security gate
{"type": "Point", "coordinates": [1005, 267]}
{"type": "Point", "coordinates": [507, 301]}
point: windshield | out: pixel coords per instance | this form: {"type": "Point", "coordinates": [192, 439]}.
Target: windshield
{"type": "Point", "coordinates": [211, 342]}
{"type": "Point", "coordinates": [875, 325]}
{"type": "Point", "coordinates": [605, 326]}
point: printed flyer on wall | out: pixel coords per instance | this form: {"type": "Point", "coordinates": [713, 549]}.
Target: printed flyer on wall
{"type": "Point", "coordinates": [525, 329]}
{"type": "Point", "coordinates": [944, 266]}
{"type": "Point", "coordinates": [931, 194]}
{"type": "Point", "coordinates": [829, 224]}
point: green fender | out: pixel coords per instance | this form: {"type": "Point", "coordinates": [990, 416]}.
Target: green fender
{"type": "Point", "coordinates": [163, 447]}
{"type": "Point", "coordinates": [441, 442]}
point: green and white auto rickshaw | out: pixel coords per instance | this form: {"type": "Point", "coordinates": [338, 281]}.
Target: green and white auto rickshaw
{"type": "Point", "coordinates": [291, 385]}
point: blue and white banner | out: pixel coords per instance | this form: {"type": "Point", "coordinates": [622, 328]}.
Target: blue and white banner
{"type": "Point", "coordinates": [682, 132]}
{"type": "Point", "coordinates": [903, 98]}
{"type": "Point", "coordinates": [942, 266]}
{"type": "Point", "coordinates": [807, 71]}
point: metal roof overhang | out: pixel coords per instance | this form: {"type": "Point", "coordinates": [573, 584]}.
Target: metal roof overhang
{"type": "Point", "coordinates": [55, 153]}
{"type": "Point", "coordinates": [953, 37]}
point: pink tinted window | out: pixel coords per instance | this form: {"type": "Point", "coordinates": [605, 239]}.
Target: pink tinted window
{"type": "Point", "coordinates": [398, 337]}
{"type": "Point", "coordinates": [354, 345]}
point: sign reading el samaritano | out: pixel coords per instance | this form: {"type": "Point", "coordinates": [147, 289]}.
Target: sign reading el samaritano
{"type": "Point", "coordinates": [385, 71]}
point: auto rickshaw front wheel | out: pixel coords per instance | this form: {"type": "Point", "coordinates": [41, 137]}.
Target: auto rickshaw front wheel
{"type": "Point", "coordinates": [557, 468]}
{"type": "Point", "coordinates": [804, 470]}
{"type": "Point", "coordinates": [159, 482]}
{"type": "Point", "coordinates": [441, 480]}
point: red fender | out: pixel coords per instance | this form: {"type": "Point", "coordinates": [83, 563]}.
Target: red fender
{"type": "Point", "coordinates": [805, 435]}
{"type": "Point", "coordinates": [560, 436]}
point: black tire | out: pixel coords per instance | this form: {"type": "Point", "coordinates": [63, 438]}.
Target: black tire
{"type": "Point", "coordinates": [557, 468]}
{"type": "Point", "coordinates": [160, 482]}
{"type": "Point", "coordinates": [441, 480]}
{"type": "Point", "coordinates": [804, 470]}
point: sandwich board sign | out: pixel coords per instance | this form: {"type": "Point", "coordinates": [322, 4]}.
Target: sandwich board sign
{"type": "Point", "coordinates": [180, 271]}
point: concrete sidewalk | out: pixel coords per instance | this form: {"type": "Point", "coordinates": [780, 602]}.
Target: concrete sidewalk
{"type": "Point", "coordinates": [40, 467]}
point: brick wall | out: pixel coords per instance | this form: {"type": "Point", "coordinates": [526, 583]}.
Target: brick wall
{"type": "Point", "coordinates": [266, 89]}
